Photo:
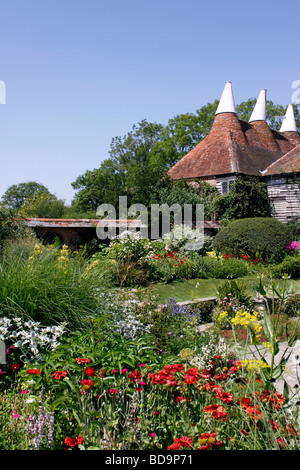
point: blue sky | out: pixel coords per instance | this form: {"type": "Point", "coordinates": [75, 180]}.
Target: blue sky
{"type": "Point", "coordinates": [80, 72]}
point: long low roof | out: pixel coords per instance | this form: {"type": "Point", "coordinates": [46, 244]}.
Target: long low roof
{"type": "Point", "coordinates": [92, 223]}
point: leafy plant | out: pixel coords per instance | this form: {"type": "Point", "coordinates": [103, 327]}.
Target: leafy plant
{"type": "Point", "coordinates": [262, 237]}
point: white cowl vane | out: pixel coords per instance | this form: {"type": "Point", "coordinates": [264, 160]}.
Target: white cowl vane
{"type": "Point", "coordinates": [226, 104]}
{"type": "Point", "coordinates": [289, 122]}
{"type": "Point", "coordinates": [259, 111]}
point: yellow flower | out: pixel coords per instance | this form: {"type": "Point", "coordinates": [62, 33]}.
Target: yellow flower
{"type": "Point", "coordinates": [212, 254]}
{"type": "Point", "coordinates": [255, 364]}
{"type": "Point", "coordinates": [248, 320]}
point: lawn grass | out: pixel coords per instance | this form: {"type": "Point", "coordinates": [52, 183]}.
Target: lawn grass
{"type": "Point", "coordinates": [186, 290]}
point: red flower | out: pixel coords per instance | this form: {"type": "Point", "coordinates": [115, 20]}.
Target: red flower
{"type": "Point", "coordinates": [191, 376]}
{"type": "Point", "coordinates": [90, 371]}
{"type": "Point", "coordinates": [80, 360]}
{"type": "Point", "coordinates": [72, 442]}
{"type": "Point", "coordinates": [221, 377]}
{"type": "Point", "coordinates": [58, 374]}
{"type": "Point", "coordinates": [135, 376]}
{"type": "Point", "coordinates": [15, 366]}
{"type": "Point", "coordinates": [113, 392]}
{"type": "Point", "coordinates": [275, 399]}
{"type": "Point", "coordinates": [210, 386]}
{"type": "Point", "coordinates": [34, 371]}
{"type": "Point", "coordinates": [179, 399]}
{"type": "Point", "coordinates": [226, 397]}
{"type": "Point", "coordinates": [176, 446]}
{"type": "Point", "coordinates": [181, 442]}
{"type": "Point", "coordinates": [208, 440]}
{"type": "Point", "coordinates": [86, 384]}
{"type": "Point", "coordinates": [217, 411]}
{"type": "Point", "coordinates": [205, 374]}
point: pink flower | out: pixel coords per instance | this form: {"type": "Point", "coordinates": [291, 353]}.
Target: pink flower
{"type": "Point", "coordinates": [152, 434]}
{"type": "Point", "coordinates": [294, 246]}
{"type": "Point", "coordinates": [124, 370]}
{"type": "Point", "coordinates": [114, 371]}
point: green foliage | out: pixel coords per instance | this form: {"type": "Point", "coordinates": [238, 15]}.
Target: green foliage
{"type": "Point", "coordinates": [42, 205]}
{"type": "Point", "coordinates": [290, 266]}
{"type": "Point", "coordinates": [180, 192]}
{"type": "Point", "coordinates": [294, 225]}
{"type": "Point", "coordinates": [12, 229]}
{"type": "Point", "coordinates": [266, 238]}
{"type": "Point", "coordinates": [248, 197]}
{"type": "Point", "coordinates": [17, 194]}
{"type": "Point", "coordinates": [232, 289]}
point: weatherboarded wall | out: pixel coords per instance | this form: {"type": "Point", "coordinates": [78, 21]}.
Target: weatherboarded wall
{"type": "Point", "coordinates": [284, 196]}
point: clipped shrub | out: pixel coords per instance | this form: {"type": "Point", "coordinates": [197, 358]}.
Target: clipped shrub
{"type": "Point", "coordinates": [260, 236]}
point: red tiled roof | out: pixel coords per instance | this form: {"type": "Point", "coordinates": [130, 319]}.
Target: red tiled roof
{"type": "Point", "coordinates": [289, 163]}
{"type": "Point", "coordinates": [234, 146]}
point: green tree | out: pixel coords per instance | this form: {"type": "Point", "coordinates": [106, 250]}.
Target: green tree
{"type": "Point", "coordinates": [187, 130]}
{"type": "Point", "coordinates": [248, 198]}
{"type": "Point", "coordinates": [98, 186]}
{"type": "Point", "coordinates": [137, 161]}
{"type": "Point", "coordinates": [180, 192]}
{"type": "Point", "coordinates": [43, 206]}
{"type": "Point", "coordinates": [17, 194]}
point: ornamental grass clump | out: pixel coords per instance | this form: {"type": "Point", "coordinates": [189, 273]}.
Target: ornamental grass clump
{"type": "Point", "coordinates": [47, 286]}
